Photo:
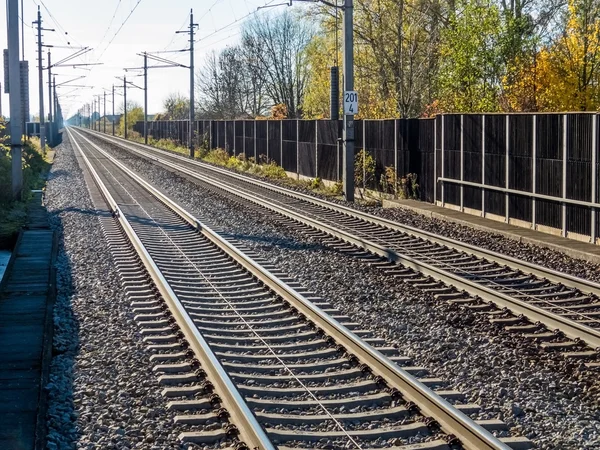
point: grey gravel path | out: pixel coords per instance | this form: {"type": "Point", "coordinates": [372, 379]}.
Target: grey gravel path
{"type": "Point", "coordinates": [102, 392]}
{"type": "Point", "coordinates": [554, 403]}
{"type": "Point", "coordinates": [553, 259]}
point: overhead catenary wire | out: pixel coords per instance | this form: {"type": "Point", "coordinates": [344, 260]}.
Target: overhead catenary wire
{"type": "Point", "coordinates": [251, 13]}
{"type": "Point", "coordinates": [119, 29]}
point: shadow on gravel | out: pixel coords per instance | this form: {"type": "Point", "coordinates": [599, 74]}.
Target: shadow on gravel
{"type": "Point", "coordinates": [65, 346]}
{"type": "Point", "coordinates": [57, 174]}
{"type": "Point", "coordinates": [289, 244]}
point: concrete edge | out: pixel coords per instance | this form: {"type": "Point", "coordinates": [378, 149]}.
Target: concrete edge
{"type": "Point", "coordinates": [571, 252]}
{"type": "Point", "coordinates": [11, 262]}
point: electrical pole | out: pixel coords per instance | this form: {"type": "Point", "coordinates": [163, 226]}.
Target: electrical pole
{"type": "Point", "coordinates": [16, 112]}
{"type": "Point", "coordinates": [54, 106]}
{"type": "Point", "coordinates": [41, 81]}
{"type": "Point", "coordinates": [190, 31]}
{"type": "Point", "coordinates": [348, 167]}
{"type": "Point", "coordinates": [145, 98]}
{"type": "Point", "coordinates": [113, 107]}
{"type": "Point", "coordinates": [23, 31]}
{"type": "Point", "coordinates": [125, 104]}
{"type": "Point", "coordinates": [49, 87]}
{"type": "Point", "coordinates": [191, 124]}
{"type": "Point", "coordinates": [104, 112]}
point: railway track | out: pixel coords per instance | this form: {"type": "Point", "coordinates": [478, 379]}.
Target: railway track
{"type": "Point", "coordinates": [560, 311]}
{"type": "Point", "coordinates": [290, 370]}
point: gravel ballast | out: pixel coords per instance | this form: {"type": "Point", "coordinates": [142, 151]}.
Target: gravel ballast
{"type": "Point", "coordinates": [102, 391]}
{"type": "Point", "coordinates": [553, 402]}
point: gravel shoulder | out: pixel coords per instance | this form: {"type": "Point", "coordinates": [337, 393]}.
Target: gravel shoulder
{"type": "Point", "coordinates": [532, 253]}
{"type": "Point", "coordinates": [551, 401]}
{"type": "Point", "coordinates": [102, 391]}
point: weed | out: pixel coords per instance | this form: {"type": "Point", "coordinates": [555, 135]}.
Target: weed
{"type": "Point", "coordinates": [364, 171]}
{"type": "Point", "coordinates": [316, 183]}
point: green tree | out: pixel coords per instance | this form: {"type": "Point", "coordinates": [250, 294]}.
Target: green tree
{"type": "Point", "coordinates": [471, 62]}
{"type": "Point", "coordinates": [176, 107]}
{"type": "Point", "coordinates": [135, 113]}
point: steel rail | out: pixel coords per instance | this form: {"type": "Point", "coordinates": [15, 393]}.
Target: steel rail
{"type": "Point", "coordinates": [251, 432]}
{"type": "Point", "coordinates": [581, 284]}
{"type": "Point", "coordinates": [570, 328]}
{"type": "Point", "coordinates": [452, 421]}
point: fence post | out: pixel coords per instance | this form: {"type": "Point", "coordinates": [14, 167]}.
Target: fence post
{"type": "Point", "coordinates": [316, 149]}
{"type": "Point", "coordinates": [244, 139]}
{"type": "Point", "coordinates": [298, 149]}
{"type": "Point", "coordinates": [395, 158]}
{"type": "Point", "coordinates": [226, 136]}
{"type": "Point", "coordinates": [534, 171]}
{"type": "Point", "coordinates": [255, 138]}
{"type": "Point", "coordinates": [281, 142]}
{"type": "Point", "coordinates": [364, 142]}
{"type": "Point", "coordinates": [443, 171]}
{"type": "Point", "coordinates": [462, 162]}
{"type": "Point", "coordinates": [435, 161]}
{"type": "Point", "coordinates": [483, 165]}
{"type": "Point", "coordinates": [234, 139]}
{"type": "Point", "coordinates": [564, 177]}
{"type": "Point", "coordinates": [594, 175]}
{"type": "Point", "coordinates": [268, 141]}
{"type": "Point", "coordinates": [507, 181]}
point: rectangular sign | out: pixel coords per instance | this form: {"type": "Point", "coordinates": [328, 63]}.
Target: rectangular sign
{"type": "Point", "coordinates": [350, 102]}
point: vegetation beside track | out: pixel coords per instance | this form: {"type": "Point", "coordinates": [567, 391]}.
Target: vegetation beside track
{"type": "Point", "coordinates": [263, 168]}
{"type": "Point", "coordinates": [13, 214]}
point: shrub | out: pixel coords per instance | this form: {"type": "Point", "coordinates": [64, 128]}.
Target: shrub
{"type": "Point", "coordinates": [364, 170]}
{"type": "Point", "coordinates": [273, 170]}
{"type": "Point", "coordinates": [217, 156]}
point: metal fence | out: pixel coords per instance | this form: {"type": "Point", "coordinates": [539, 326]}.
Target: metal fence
{"type": "Point", "coordinates": [312, 148]}
{"type": "Point", "coordinates": [533, 170]}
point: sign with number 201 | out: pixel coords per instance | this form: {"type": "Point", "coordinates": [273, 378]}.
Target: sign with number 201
{"type": "Point", "coordinates": [350, 102]}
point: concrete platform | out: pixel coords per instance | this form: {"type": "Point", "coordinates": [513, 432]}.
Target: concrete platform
{"type": "Point", "coordinates": [27, 294]}
{"type": "Point", "coordinates": [576, 249]}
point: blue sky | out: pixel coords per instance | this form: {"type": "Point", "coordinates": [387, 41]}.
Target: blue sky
{"type": "Point", "coordinates": [150, 28]}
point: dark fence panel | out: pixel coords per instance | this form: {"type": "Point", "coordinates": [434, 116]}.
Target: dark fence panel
{"type": "Point", "coordinates": [289, 159]}
{"type": "Point", "coordinates": [549, 161]}
{"type": "Point", "coordinates": [249, 143]}
{"type": "Point", "coordinates": [451, 157]}
{"type": "Point", "coordinates": [239, 136]}
{"type": "Point", "coordinates": [327, 149]}
{"type": "Point", "coordinates": [520, 164]}
{"type": "Point", "coordinates": [307, 148]}
{"type": "Point", "coordinates": [421, 143]}
{"type": "Point", "coordinates": [261, 140]}
{"type": "Point", "coordinates": [229, 137]}
{"type": "Point", "coordinates": [472, 159]}
{"type": "Point", "coordinates": [275, 141]}
{"type": "Point", "coordinates": [495, 162]}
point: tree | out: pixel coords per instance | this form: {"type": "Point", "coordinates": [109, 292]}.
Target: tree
{"type": "Point", "coordinates": [229, 87]}
{"type": "Point", "coordinates": [274, 47]}
{"type": "Point", "coordinates": [563, 76]}
{"type": "Point", "coordinates": [471, 63]}
{"type": "Point", "coordinates": [176, 107]}
{"type": "Point", "coordinates": [135, 113]}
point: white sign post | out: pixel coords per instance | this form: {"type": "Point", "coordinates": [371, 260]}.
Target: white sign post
{"type": "Point", "coordinates": [350, 102]}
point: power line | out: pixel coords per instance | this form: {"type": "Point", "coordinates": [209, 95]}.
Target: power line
{"type": "Point", "coordinates": [119, 30]}
{"type": "Point", "coordinates": [233, 23]}
{"type": "Point", "coordinates": [110, 23]}
{"type": "Point", "coordinates": [176, 34]}
{"type": "Point", "coordinates": [58, 25]}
